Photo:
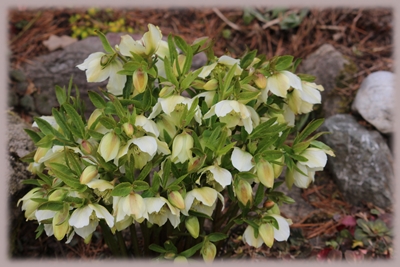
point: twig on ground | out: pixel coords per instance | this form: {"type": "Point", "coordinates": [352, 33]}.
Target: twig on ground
{"type": "Point", "coordinates": [230, 24]}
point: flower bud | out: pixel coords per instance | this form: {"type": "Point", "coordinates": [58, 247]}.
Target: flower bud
{"type": "Point", "coordinates": [140, 79]}
{"type": "Point", "coordinates": [208, 251]}
{"type": "Point", "coordinates": [193, 226]}
{"type": "Point", "coordinates": [169, 255]}
{"type": "Point", "coordinates": [176, 199]}
{"type": "Point", "coordinates": [128, 129]}
{"type": "Point", "coordinates": [181, 148]}
{"type": "Point", "coordinates": [60, 223]}
{"type": "Point", "coordinates": [211, 85]}
{"type": "Point", "coordinates": [197, 84]}
{"type": "Point", "coordinates": [40, 152]}
{"type": "Point", "coordinates": [269, 204]}
{"type": "Point", "coordinates": [260, 81]}
{"type": "Point", "coordinates": [181, 62]}
{"type": "Point", "coordinates": [93, 117]}
{"type": "Point", "coordinates": [109, 146]}
{"type": "Point", "coordinates": [87, 148]}
{"type": "Point", "coordinates": [265, 173]}
{"type": "Point", "coordinates": [57, 195]}
{"type": "Point", "coordinates": [278, 168]}
{"type": "Point", "coordinates": [88, 174]}
{"type": "Point", "coordinates": [266, 231]}
{"type": "Point", "coordinates": [180, 259]}
{"type": "Point", "coordinates": [196, 163]}
{"type": "Point", "coordinates": [244, 192]}
{"type": "Point", "coordinates": [166, 91]}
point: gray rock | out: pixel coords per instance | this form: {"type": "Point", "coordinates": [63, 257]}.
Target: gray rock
{"type": "Point", "coordinates": [19, 145]}
{"type": "Point", "coordinates": [326, 64]}
{"type": "Point", "coordinates": [17, 75]}
{"type": "Point", "coordinates": [363, 166]}
{"type": "Point", "coordinates": [375, 100]}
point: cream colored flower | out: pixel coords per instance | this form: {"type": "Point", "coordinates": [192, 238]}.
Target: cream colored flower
{"type": "Point", "coordinates": [202, 200]}
{"type": "Point", "coordinates": [160, 210]}
{"type": "Point", "coordinates": [98, 69]}
{"type": "Point", "coordinates": [242, 160]}
{"type": "Point", "coordinates": [234, 113]}
{"type": "Point", "coordinates": [147, 46]}
{"type": "Point", "coordinates": [280, 82]}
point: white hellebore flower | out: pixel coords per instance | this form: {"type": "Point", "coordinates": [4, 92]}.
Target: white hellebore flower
{"type": "Point", "coordinates": [280, 234]}
{"type": "Point", "coordinates": [241, 160]}
{"type": "Point", "coordinates": [281, 81]}
{"type": "Point", "coordinates": [98, 69]}
{"type": "Point", "coordinates": [316, 162]}
{"type": "Point", "coordinates": [234, 113]}
{"type": "Point", "coordinates": [131, 205]}
{"type": "Point", "coordinates": [202, 200]}
{"type": "Point", "coordinates": [147, 125]}
{"type": "Point", "coordinates": [181, 148]}
{"type": "Point", "coordinates": [216, 174]}
{"type": "Point", "coordinates": [224, 60]}
{"type": "Point", "coordinates": [147, 46]}
{"type": "Point", "coordinates": [85, 222]}
{"type": "Point", "coordinates": [173, 106]}
{"type": "Point", "coordinates": [159, 210]}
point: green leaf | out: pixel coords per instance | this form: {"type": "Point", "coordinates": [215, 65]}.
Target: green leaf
{"type": "Point", "coordinates": [47, 179]}
{"type": "Point", "coordinates": [177, 181]}
{"type": "Point", "coordinates": [228, 79]}
{"type": "Point", "coordinates": [169, 73]}
{"type": "Point", "coordinates": [199, 214]}
{"type": "Point", "coordinates": [128, 88]}
{"type": "Point", "coordinates": [121, 112]}
{"type": "Point", "coordinates": [215, 237]}
{"type": "Point", "coordinates": [191, 112]}
{"type": "Point", "coordinates": [260, 194]}
{"type": "Point", "coordinates": [191, 251]}
{"type": "Point", "coordinates": [283, 62]}
{"type": "Point", "coordinates": [66, 175]}
{"type": "Point", "coordinates": [44, 126]}
{"type": "Point", "coordinates": [122, 190]}
{"type": "Point", "coordinates": [31, 182]}
{"type": "Point", "coordinates": [300, 147]}
{"type": "Point", "coordinates": [52, 205]}
{"type": "Point", "coordinates": [187, 81]}
{"type": "Point", "coordinates": [262, 128]}
{"type": "Point", "coordinates": [108, 122]}
{"type": "Point", "coordinates": [140, 185]}
{"type": "Point", "coordinates": [46, 141]}
{"type": "Point", "coordinates": [33, 135]}
{"type": "Point", "coordinates": [145, 171]}
{"type": "Point", "coordinates": [97, 100]}
{"type": "Point", "coordinates": [61, 121]}
{"type": "Point", "coordinates": [309, 129]}
{"type": "Point", "coordinates": [181, 44]}
{"type": "Point", "coordinates": [76, 119]}
{"type": "Point", "coordinates": [272, 221]}
{"type": "Point", "coordinates": [157, 248]}
{"type": "Point", "coordinates": [166, 172]}
{"type": "Point", "coordinates": [248, 59]}
{"type": "Point", "coordinates": [106, 45]}
{"type": "Point", "coordinates": [61, 95]}
{"type": "Point", "coordinates": [73, 161]}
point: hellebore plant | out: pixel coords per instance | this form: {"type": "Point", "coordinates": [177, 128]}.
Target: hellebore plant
{"type": "Point", "coordinates": [174, 156]}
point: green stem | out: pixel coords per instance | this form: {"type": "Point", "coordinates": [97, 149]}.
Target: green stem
{"type": "Point", "coordinates": [145, 234]}
{"type": "Point", "coordinates": [109, 239]}
{"type": "Point", "coordinates": [135, 241]}
{"type": "Point", "coordinates": [122, 245]}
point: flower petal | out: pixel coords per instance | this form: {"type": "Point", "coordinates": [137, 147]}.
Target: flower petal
{"type": "Point", "coordinates": [241, 160]}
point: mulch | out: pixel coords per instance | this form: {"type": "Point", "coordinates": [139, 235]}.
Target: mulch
{"type": "Point", "coordinates": [364, 36]}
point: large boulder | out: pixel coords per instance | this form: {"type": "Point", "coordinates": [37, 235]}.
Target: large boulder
{"type": "Point", "coordinates": [375, 100]}
{"type": "Point", "coordinates": [363, 166]}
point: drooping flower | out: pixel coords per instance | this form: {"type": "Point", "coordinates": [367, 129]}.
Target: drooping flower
{"type": "Point", "coordinates": [109, 146]}
{"type": "Point", "coordinates": [160, 210]}
{"type": "Point", "coordinates": [281, 81]}
{"type": "Point", "coordinates": [316, 162]}
{"type": "Point", "coordinates": [85, 219]}
{"type": "Point", "coordinates": [217, 176]}
{"type": "Point", "coordinates": [181, 148]}
{"type": "Point", "coordinates": [173, 107]}
{"type": "Point", "coordinates": [100, 66]}
{"type": "Point", "coordinates": [202, 200]}
{"type": "Point", "coordinates": [234, 113]}
{"type": "Point", "coordinates": [280, 234]}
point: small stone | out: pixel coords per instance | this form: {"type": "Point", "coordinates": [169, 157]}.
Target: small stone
{"type": "Point", "coordinates": [12, 100]}
{"type": "Point", "coordinates": [21, 87]}
{"type": "Point", "coordinates": [375, 100]}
